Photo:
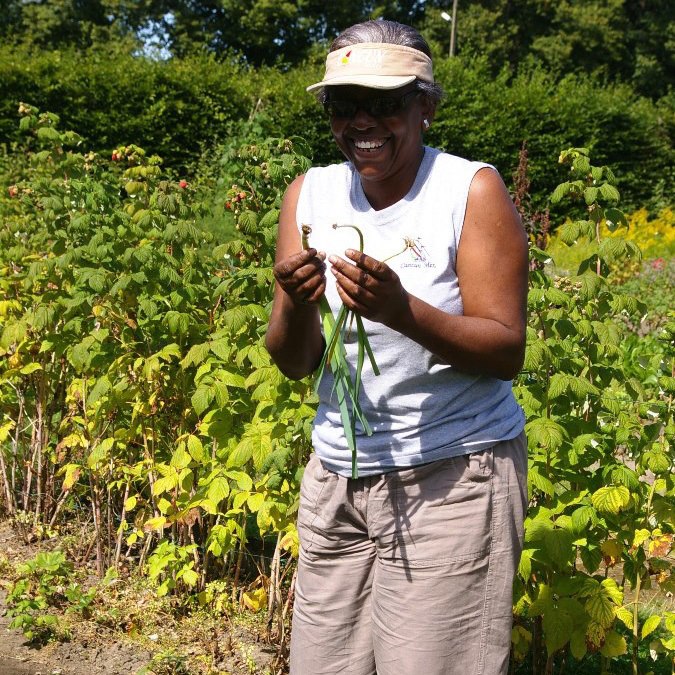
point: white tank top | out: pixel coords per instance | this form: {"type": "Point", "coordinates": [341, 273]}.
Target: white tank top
{"type": "Point", "coordinates": [420, 408]}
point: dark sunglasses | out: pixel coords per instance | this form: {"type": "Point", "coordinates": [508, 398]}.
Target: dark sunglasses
{"type": "Point", "coordinates": [375, 107]}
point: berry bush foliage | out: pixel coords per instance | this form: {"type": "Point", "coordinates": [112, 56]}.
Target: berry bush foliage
{"type": "Point", "coordinates": [134, 383]}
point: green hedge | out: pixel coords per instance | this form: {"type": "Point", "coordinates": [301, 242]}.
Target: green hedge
{"type": "Point", "coordinates": [174, 109]}
{"type": "Point", "coordinates": [183, 109]}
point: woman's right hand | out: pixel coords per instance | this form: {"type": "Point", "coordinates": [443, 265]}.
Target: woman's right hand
{"type": "Point", "coordinates": [294, 339]}
{"type": "Point", "coordinates": [302, 276]}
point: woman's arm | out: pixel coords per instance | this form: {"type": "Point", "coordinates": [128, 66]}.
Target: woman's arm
{"type": "Point", "coordinates": [492, 268]}
{"type": "Point", "coordinates": [294, 338]}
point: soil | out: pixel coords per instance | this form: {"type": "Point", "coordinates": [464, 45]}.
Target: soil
{"type": "Point", "coordinates": [98, 652]}
{"type": "Point", "coordinates": [94, 649]}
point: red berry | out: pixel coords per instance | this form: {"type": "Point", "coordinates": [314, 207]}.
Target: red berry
{"type": "Point", "coordinates": [13, 190]}
{"type": "Point", "coordinates": [183, 184]}
{"type": "Point", "coordinates": [228, 205]}
{"type": "Point", "coordinates": [115, 157]}
{"type": "Point", "coordinates": [242, 195]}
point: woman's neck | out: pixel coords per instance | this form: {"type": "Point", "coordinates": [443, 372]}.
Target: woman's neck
{"type": "Point", "coordinates": [384, 193]}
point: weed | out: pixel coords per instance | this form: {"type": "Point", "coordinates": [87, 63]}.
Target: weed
{"type": "Point", "coordinates": [44, 583]}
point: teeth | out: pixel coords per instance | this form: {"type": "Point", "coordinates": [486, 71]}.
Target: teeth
{"type": "Point", "coordinates": [368, 145]}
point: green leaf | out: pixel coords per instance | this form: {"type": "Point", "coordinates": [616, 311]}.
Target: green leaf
{"type": "Point", "coordinates": [218, 490]}
{"type": "Point", "coordinates": [189, 576]}
{"type": "Point", "coordinates": [157, 523]}
{"type": "Point", "coordinates": [248, 221]}
{"type": "Point", "coordinates": [537, 528]}
{"type": "Point", "coordinates": [230, 378]}
{"type": "Point", "coordinates": [540, 482]}
{"type": "Point", "coordinates": [72, 472]}
{"type": "Point", "coordinates": [650, 625]}
{"type": "Point", "coordinates": [256, 444]}
{"type": "Point", "coordinates": [558, 627]}
{"type": "Point", "coordinates": [195, 448]}
{"type": "Point", "coordinates": [100, 388]}
{"type": "Point", "coordinates": [590, 285]}
{"type": "Point", "coordinates": [545, 432]}
{"type": "Point", "coordinates": [255, 501]}
{"type": "Point", "coordinates": [244, 481]}
{"type": "Point", "coordinates": [48, 134]}
{"type": "Point", "coordinates": [543, 602]}
{"type": "Point", "coordinates": [614, 645]}
{"type": "Point", "coordinates": [559, 548]}
{"type": "Point", "coordinates": [100, 452]}
{"type": "Point", "coordinates": [590, 195]}
{"type": "Point", "coordinates": [581, 387]}
{"type": "Point", "coordinates": [657, 460]}
{"type": "Point", "coordinates": [525, 564]}
{"type": "Point", "coordinates": [196, 355]}
{"type": "Point", "coordinates": [612, 590]}
{"type": "Point", "coordinates": [611, 498]}
{"type": "Point", "coordinates": [202, 398]}
{"type": "Point", "coordinates": [582, 516]}
{"type": "Point", "coordinates": [560, 192]}
{"type": "Point", "coordinates": [535, 355]}
{"type": "Point", "coordinates": [578, 644]}
{"type": "Point", "coordinates": [180, 457]}
{"type": "Point", "coordinates": [601, 609]}
{"type": "Point", "coordinates": [624, 475]}
{"type": "Point", "coordinates": [222, 348]}
{"type": "Point", "coordinates": [558, 385]}
{"type": "Point", "coordinates": [591, 557]}
{"type": "Point", "coordinates": [625, 616]}
{"type": "Point", "coordinates": [609, 192]}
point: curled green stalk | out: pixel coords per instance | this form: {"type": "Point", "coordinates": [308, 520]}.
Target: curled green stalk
{"type": "Point", "coordinates": [335, 355]}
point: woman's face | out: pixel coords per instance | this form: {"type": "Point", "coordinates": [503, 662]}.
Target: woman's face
{"type": "Point", "coordinates": [386, 149]}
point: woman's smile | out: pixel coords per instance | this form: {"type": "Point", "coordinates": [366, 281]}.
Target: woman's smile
{"type": "Point", "coordinates": [369, 146]}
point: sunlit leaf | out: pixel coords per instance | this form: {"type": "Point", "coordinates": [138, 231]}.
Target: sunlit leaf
{"type": "Point", "coordinates": [611, 498]}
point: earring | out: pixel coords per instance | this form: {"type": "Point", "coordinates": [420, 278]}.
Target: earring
{"type": "Point", "coordinates": [426, 124]}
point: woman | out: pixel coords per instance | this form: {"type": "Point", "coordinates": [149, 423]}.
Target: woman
{"type": "Point", "coordinates": [409, 567]}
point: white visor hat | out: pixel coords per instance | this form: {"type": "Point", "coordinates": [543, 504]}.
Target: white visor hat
{"type": "Point", "coordinates": [375, 65]}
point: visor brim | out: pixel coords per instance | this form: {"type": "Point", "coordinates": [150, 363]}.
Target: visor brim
{"type": "Point", "coordinates": [368, 81]}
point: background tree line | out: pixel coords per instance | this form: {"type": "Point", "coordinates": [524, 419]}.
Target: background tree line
{"type": "Point", "coordinates": [179, 77]}
{"type": "Point", "coordinates": [630, 41]}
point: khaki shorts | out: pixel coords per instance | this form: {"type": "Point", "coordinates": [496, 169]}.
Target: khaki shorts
{"type": "Point", "coordinates": [410, 572]}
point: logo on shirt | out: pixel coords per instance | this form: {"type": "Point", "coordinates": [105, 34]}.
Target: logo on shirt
{"type": "Point", "coordinates": [415, 254]}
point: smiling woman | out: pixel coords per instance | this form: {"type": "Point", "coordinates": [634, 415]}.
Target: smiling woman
{"type": "Point", "coordinates": [408, 567]}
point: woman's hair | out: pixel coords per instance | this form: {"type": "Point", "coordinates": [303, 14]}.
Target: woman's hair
{"type": "Point", "coordinates": [390, 32]}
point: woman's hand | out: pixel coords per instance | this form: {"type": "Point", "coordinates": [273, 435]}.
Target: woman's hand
{"type": "Point", "coordinates": [369, 287]}
{"type": "Point", "coordinates": [302, 276]}
{"type": "Point", "coordinates": [294, 338]}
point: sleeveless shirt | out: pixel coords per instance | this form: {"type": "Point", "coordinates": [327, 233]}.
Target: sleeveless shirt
{"type": "Point", "coordinates": [420, 408]}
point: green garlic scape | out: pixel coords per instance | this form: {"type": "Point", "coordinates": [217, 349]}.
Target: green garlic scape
{"type": "Point", "coordinates": [336, 355]}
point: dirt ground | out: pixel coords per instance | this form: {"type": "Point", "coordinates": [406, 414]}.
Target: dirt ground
{"type": "Point", "coordinates": [99, 652]}
{"type": "Point", "coordinates": [104, 655]}
{"type": "Point", "coordinates": [94, 649]}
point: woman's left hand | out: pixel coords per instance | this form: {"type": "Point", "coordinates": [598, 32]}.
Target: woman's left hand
{"type": "Point", "coordinates": [369, 287]}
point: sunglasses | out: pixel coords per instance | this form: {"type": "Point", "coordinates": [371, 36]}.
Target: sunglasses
{"type": "Point", "coordinates": [375, 107]}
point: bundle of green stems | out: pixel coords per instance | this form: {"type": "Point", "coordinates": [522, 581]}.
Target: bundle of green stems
{"type": "Point", "coordinates": [345, 388]}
